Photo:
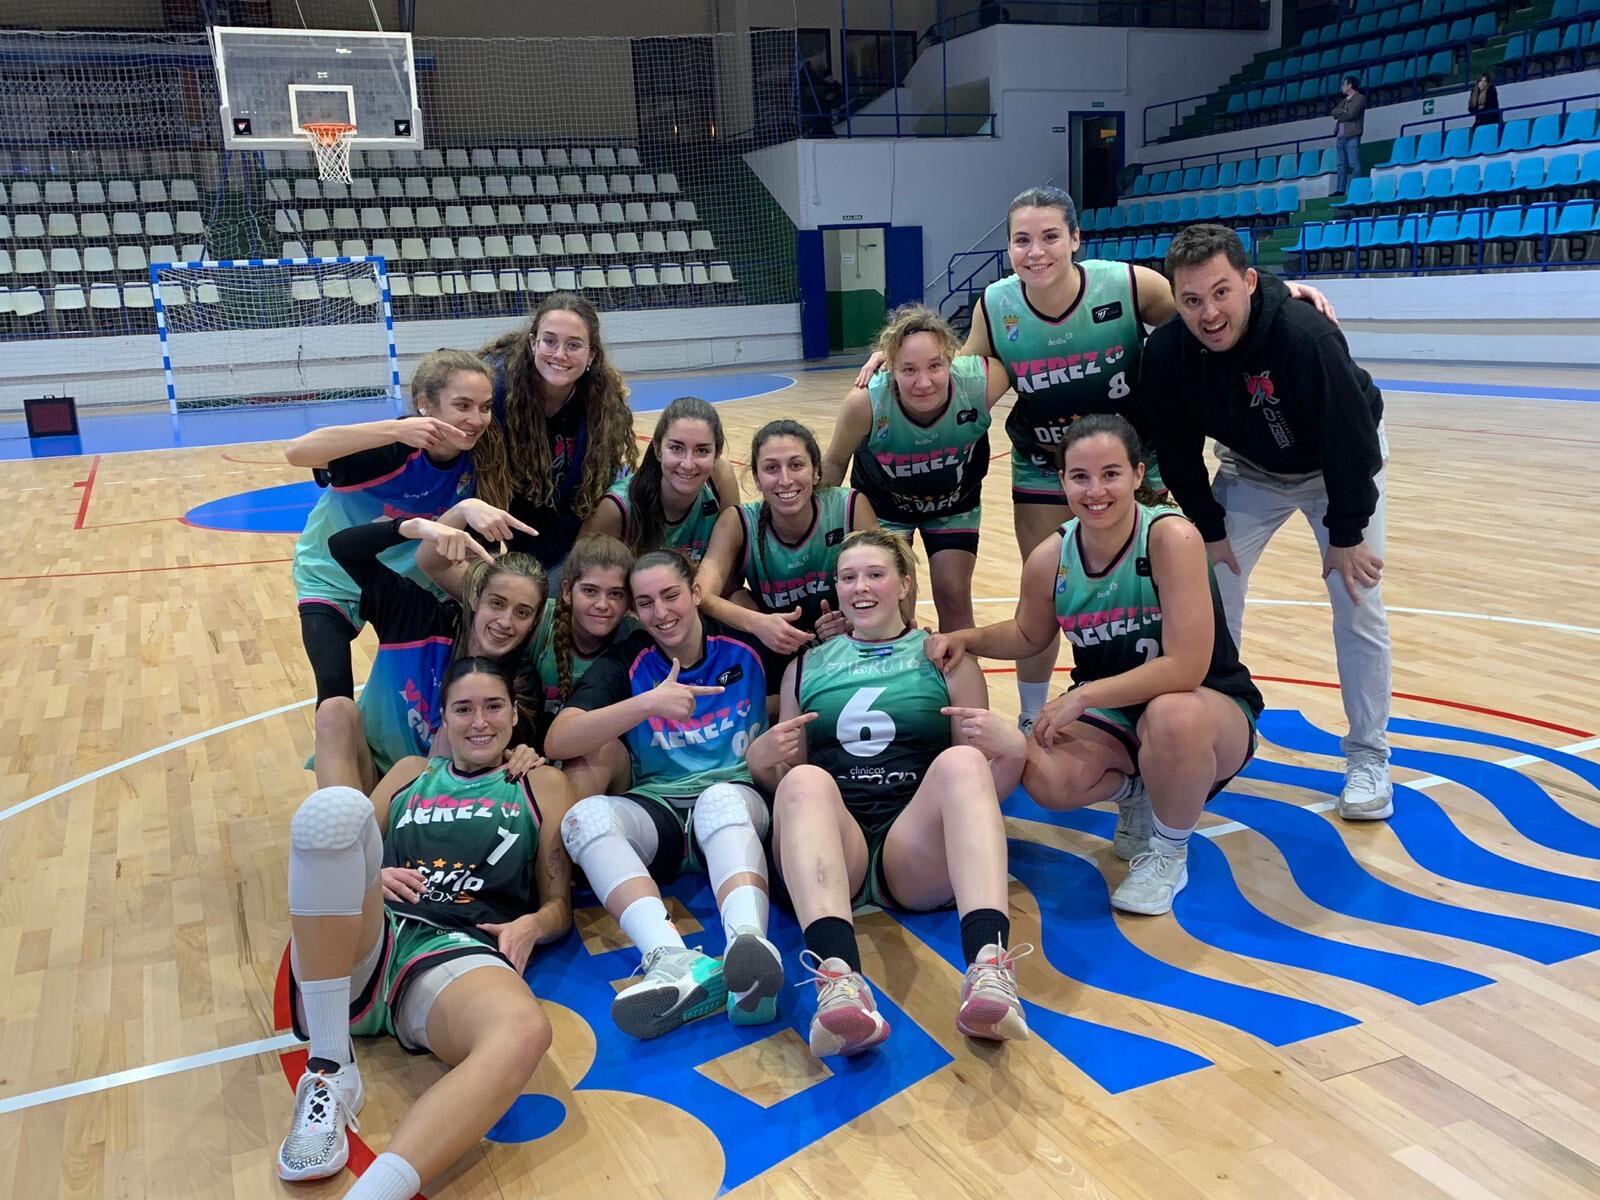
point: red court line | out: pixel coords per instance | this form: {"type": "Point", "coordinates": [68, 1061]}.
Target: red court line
{"type": "Point", "coordinates": [140, 521]}
{"type": "Point", "coordinates": [255, 562]}
{"type": "Point", "coordinates": [88, 490]}
{"type": "Point", "coordinates": [1334, 684]}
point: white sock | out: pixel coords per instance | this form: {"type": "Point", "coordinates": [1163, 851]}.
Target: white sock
{"type": "Point", "coordinates": [1033, 697]}
{"type": "Point", "coordinates": [325, 1006]}
{"type": "Point", "coordinates": [390, 1177]}
{"type": "Point", "coordinates": [646, 925]}
{"type": "Point", "coordinates": [745, 907]}
{"type": "Point", "coordinates": [1175, 841]}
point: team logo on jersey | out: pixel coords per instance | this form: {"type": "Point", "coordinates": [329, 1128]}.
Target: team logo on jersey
{"type": "Point", "coordinates": [880, 427]}
{"type": "Point", "coordinates": [708, 507]}
{"type": "Point", "coordinates": [1107, 312]}
{"type": "Point", "coordinates": [1141, 567]}
{"type": "Point", "coordinates": [1061, 579]}
{"type": "Point", "coordinates": [835, 536]}
{"type": "Point", "coordinates": [742, 708]}
{"type": "Point", "coordinates": [1260, 389]}
{"type": "Point", "coordinates": [730, 676]}
{"type": "Point", "coordinates": [464, 484]}
{"type": "Point", "coordinates": [966, 416]}
{"type": "Point", "coordinates": [1013, 324]}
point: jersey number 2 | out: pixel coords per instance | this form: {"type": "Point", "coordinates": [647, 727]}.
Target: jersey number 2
{"type": "Point", "coordinates": [862, 730]}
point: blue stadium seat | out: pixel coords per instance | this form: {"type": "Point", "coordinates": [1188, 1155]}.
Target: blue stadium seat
{"type": "Point", "coordinates": [1432, 10]}
{"type": "Point", "coordinates": [1392, 75]}
{"type": "Point", "coordinates": [1483, 26]}
{"type": "Point", "coordinates": [1388, 18]}
{"type": "Point", "coordinates": [1115, 219]}
{"type": "Point", "coordinates": [1236, 105]}
{"type": "Point", "coordinates": [1310, 238]}
{"type": "Point", "coordinates": [1412, 40]}
{"type": "Point", "coordinates": [1561, 172]}
{"type": "Point", "coordinates": [1436, 184]}
{"type": "Point", "coordinates": [1485, 140]}
{"type": "Point", "coordinates": [1267, 201]}
{"type": "Point", "coordinates": [1141, 186]}
{"type": "Point", "coordinates": [1459, 30]}
{"type": "Point", "coordinates": [1385, 231]}
{"type": "Point", "coordinates": [1537, 220]}
{"type": "Point", "coordinates": [1471, 227]}
{"type": "Point", "coordinates": [1410, 189]}
{"type": "Point", "coordinates": [1289, 199]}
{"type": "Point", "coordinates": [1506, 222]}
{"type": "Point", "coordinates": [1430, 147]}
{"type": "Point", "coordinates": [1247, 240]}
{"type": "Point", "coordinates": [1228, 175]}
{"type": "Point", "coordinates": [1457, 143]}
{"type": "Point", "coordinates": [1410, 14]}
{"type": "Point", "coordinates": [1267, 169]}
{"type": "Point", "coordinates": [1125, 249]}
{"type": "Point", "coordinates": [1310, 161]}
{"type": "Point", "coordinates": [1443, 228]}
{"type": "Point", "coordinates": [1227, 206]}
{"type": "Point", "coordinates": [1468, 181]}
{"type": "Point", "coordinates": [1497, 179]}
{"type": "Point", "coordinates": [1187, 208]}
{"type": "Point", "coordinates": [1359, 195]}
{"type": "Point", "coordinates": [1208, 176]}
{"type": "Point", "coordinates": [1437, 35]}
{"type": "Point", "coordinates": [1312, 37]}
{"type": "Point", "coordinates": [1206, 208]}
{"type": "Point", "coordinates": [1163, 244]}
{"type": "Point", "coordinates": [1514, 135]}
{"type": "Point", "coordinates": [1275, 70]}
{"type": "Point", "coordinates": [1580, 127]}
{"type": "Point", "coordinates": [1132, 215]}
{"type": "Point", "coordinates": [1248, 169]}
{"type": "Point", "coordinates": [1385, 189]}
{"type": "Point", "coordinates": [1287, 163]}
{"type": "Point", "coordinates": [1546, 44]}
{"type": "Point", "coordinates": [1089, 220]}
{"type": "Point", "coordinates": [1516, 48]}
{"type": "Point", "coordinates": [1329, 165]}
{"type": "Point", "coordinates": [1169, 212]}
{"type": "Point", "coordinates": [1391, 47]}
{"type": "Point", "coordinates": [1529, 176]}
{"type": "Point", "coordinates": [1404, 151]}
{"type": "Point", "coordinates": [1546, 131]}
{"type": "Point", "coordinates": [1248, 206]}
{"type": "Point", "coordinates": [1144, 249]}
{"type": "Point", "coordinates": [1191, 179]}
{"type": "Point", "coordinates": [1576, 216]}
{"type": "Point", "coordinates": [1562, 10]}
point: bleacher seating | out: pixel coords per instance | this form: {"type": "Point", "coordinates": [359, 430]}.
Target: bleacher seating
{"type": "Point", "coordinates": [1148, 250]}
{"type": "Point", "coordinates": [1507, 236]}
{"type": "Point", "coordinates": [1258, 208]}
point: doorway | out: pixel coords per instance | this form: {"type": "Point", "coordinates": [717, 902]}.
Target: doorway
{"type": "Point", "coordinates": [854, 271]}
{"type": "Point", "coordinates": [1096, 158]}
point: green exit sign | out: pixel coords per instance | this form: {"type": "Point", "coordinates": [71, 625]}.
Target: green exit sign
{"type": "Point", "coordinates": [1098, 104]}
{"type": "Point", "coordinates": [1427, 108]}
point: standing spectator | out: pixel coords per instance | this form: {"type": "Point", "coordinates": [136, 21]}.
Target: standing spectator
{"type": "Point", "coordinates": [1349, 113]}
{"type": "Point", "coordinates": [1483, 102]}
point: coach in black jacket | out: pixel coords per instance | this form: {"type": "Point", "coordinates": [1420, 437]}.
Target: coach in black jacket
{"type": "Point", "coordinates": [1298, 427]}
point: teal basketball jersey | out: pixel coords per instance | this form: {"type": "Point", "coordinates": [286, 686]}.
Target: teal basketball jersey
{"type": "Point", "coordinates": [909, 469]}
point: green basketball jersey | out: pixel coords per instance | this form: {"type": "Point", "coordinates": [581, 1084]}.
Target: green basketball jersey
{"type": "Point", "coordinates": [910, 469]}
{"type": "Point", "coordinates": [1084, 361]}
{"type": "Point", "coordinates": [1113, 619]}
{"type": "Point", "coordinates": [878, 725]}
{"type": "Point", "coordinates": [690, 534]}
{"type": "Point", "coordinates": [781, 576]}
{"type": "Point", "coordinates": [542, 650]}
{"type": "Point", "coordinates": [473, 837]}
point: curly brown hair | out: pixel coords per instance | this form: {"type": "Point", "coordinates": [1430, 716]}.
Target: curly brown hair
{"type": "Point", "coordinates": [593, 551]}
{"type": "Point", "coordinates": [513, 456]}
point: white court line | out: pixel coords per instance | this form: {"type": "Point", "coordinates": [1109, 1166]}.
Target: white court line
{"type": "Point", "coordinates": [173, 1066]}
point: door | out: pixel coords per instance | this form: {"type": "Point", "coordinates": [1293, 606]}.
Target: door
{"type": "Point", "coordinates": [1096, 159]}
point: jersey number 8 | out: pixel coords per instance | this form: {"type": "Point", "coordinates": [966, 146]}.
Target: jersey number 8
{"type": "Point", "coordinates": [862, 730]}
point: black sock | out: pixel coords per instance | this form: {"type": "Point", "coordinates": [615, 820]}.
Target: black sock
{"type": "Point", "coordinates": [983, 927]}
{"type": "Point", "coordinates": [833, 937]}
{"type": "Point", "coordinates": [323, 1066]}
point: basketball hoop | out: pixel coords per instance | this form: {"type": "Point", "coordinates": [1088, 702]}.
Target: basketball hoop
{"type": "Point", "coordinates": [330, 141]}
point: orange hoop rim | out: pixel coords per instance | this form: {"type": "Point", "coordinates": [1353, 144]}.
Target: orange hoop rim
{"type": "Point", "coordinates": [327, 133]}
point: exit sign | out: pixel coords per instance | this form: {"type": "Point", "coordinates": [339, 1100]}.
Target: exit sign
{"type": "Point", "coordinates": [1427, 108]}
{"type": "Point", "coordinates": [1058, 129]}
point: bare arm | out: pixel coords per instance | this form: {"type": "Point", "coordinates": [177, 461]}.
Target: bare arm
{"type": "Point", "coordinates": [724, 483]}
{"type": "Point", "coordinates": [1032, 627]}
{"type": "Point", "coordinates": [851, 428]}
{"type": "Point", "coordinates": [978, 335]}
{"type": "Point", "coordinates": [321, 446]}
{"type": "Point", "coordinates": [973, 724]}
{"type": "Point", "coordinates": [782, 747]}
{"type": "Point", "coordinates": [998, 382]}
{"type": "Point", "coordinates": [576, 732]}
{"type": "Point", "coordinates": [552, 868]}
{"type": "Point", "coordinates": [606, 518]}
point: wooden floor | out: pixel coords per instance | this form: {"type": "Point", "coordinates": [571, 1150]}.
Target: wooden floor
{"type": "Point", "coordinates": [1260, 1046]}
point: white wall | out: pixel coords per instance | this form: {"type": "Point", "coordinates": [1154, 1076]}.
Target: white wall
{"type": "Point", "coordinates": [1382, 123]}
{"type": "Point", "coordinates": [957, 189]}
{"type": "Point", "coordinates": [127, 370]}
{"type": "Point", "coordinates": [1549, 318]}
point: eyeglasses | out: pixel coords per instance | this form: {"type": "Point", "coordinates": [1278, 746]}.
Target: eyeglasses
{"type": "Point", "coordinates": [550, 343]}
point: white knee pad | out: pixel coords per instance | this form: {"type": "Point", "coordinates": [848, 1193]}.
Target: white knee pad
{"type": "Point", "coordinates": [335, 853]}
{"type": "Point", "coordinates": [730, 819]}
{"type": "Point", "coordinates": [599, 841]}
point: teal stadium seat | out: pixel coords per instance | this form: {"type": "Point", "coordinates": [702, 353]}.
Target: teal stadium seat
{"type": "Point", "coordinates": [1141, 185]}
{"type": "Point", "coordinates": [1206, 208]}
{"type": "Point", "coordinates": [1580, 126]}
{"type": "Point", "coordinates": [1248, 205]}
{"type": "Point", "coordinates": [1228, 174]}
{"type": "Point", "coordinates": [1249, 169]}
{"type": "Point", "coordinates": [1403, 152]}
{"type": "Point", "coordinates": [1457, 143]}
{"type": "Point", "coordinates": [1498, 179]}
{"type": "Point", "coordinates": [1436, 184]}
{"type": "Point", "coordinates": [1359, 195]}
{"type": "Point", "coordinates": [1430, 147]}
{"type": "Point", "coordinates": [1385, 190]}
{"type": "Point", "coordinates": [1515, 135]}
{"type": "Point", "coordinates": [1485, 140]}
{"type": "Point", "coordinates": [1208, 176]}
{"type": "Point", "coordinates": [1227, 206]}
{"type": "Point", "coordinates": [1267, 169]}
{"type": "Point", "coordinates": [1468, 182]}
{"type": "Point", "coordinates": [1561, 173]}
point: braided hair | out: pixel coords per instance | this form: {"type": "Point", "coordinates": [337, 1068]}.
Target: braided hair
{"type": "Point", "coordinates": [646, 524]}
{"type": "Point", "coordinates": [777, 429]}
{"type": "Point", "coordinates": [591, 552]}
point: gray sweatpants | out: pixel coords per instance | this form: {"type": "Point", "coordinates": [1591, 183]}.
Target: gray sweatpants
{"type": "Point", "coordinates": [1258, 504]}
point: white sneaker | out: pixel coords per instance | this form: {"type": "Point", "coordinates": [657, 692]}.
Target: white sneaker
{"type": "Point", "coordinates": [679, 986]}
{"type": "Point", "coordinates": [1026, 725]}
{"type": "Point", "coordinates": [1368, 793]}
{"type": "Point", "coordinates": [752, 971]}
{"type": "Point", "coordinates": [1155, 878]}
{"type": "Point", "coordinates": [324, 1105]}
{"type": "Point", "coordinates": [1135, 820]}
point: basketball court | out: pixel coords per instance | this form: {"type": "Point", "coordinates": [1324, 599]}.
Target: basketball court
{"type": "Point", "coordinates": [1334, 1010]}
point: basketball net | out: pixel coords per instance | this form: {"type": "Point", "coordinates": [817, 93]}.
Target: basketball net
{"type": "Point", "coordinates": [330, 141]}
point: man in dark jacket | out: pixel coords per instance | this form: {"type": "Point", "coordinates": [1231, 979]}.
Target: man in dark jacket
{"type": "Point", "coordinates": [1349, 115]}
{"type": "Point", "coordinates": [1298, 427]}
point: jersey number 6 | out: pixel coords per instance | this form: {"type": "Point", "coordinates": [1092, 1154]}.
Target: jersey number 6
{"type": "Point", "coordinates": [862, 730]}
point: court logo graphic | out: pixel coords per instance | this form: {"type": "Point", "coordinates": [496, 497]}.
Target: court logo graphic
{"type": "Point", "coordinates": [1013, 324]}
{"type": "Point", "coordinates": [1260, 389]}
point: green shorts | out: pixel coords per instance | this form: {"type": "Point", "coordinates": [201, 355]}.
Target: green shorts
{"type": "Point", "coordinates": [1035, 480]}
{"type": "Point", "coordinates": [945, 531]}
{"type": "Point", "coordinates": [874, 889]}
{"type": "Point", "coordinates": [410, 947]}
{"type": "Point", "coordinates": [1123, 724]}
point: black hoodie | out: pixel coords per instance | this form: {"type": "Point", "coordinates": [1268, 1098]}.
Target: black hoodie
{"type": "Point", "coordinates": [1288, 399]}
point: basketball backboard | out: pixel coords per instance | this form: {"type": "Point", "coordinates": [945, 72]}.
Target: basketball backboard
{"type": "Point", "coordinates": [275, 81]}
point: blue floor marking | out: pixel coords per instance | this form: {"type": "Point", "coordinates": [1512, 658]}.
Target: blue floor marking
{"type": "Point", "coordinates": [1526, 806]}
{"type": "Point", "coordinates": [1511, 392]}
{"type": "Point", "coordinates": [1083, 942]}
{"type": "Point", "coordinates": [281, 509]}
{"type": "Point", "coordinates": [529, 1118]}
{"type": "Point", "coordinates": [649, 395]}
{"type": "Point", "coordinates": [1329, 874]}
{"type": "Point", "coordinates": [1585, 770]}
{"type": "Point", "coordinates": [1114, 1058]}
{"type": "Point", "coordinates": [1213, 910]}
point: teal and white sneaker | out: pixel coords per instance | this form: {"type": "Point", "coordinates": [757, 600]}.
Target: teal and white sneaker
{"type": "Point", "coordinates": [753, 973]}
{"type": "Point", "coordinates": [679, 985]}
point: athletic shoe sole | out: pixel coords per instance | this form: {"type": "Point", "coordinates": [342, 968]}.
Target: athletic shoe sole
{"type": "Point", "coordinates": [1369, 814]}
{"type": "Point", "coordinates": [846, 1031]}
{"type": "Point", "coordinates": [648, 1013]}
{"type": "Point", "coordinates": [992, 1020]}
{"type": "Point", "coordinates": [752, 972]}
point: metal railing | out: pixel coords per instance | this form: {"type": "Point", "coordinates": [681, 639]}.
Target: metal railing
{"type": "Point", "coordinates": [1234, 154]}
{"type": "Point", "coordinates": [1361, 244]}
{"type": "Point", "coordinates": [1429, 123]}
{"type": "Point", "coordinates": [1137, 14]}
